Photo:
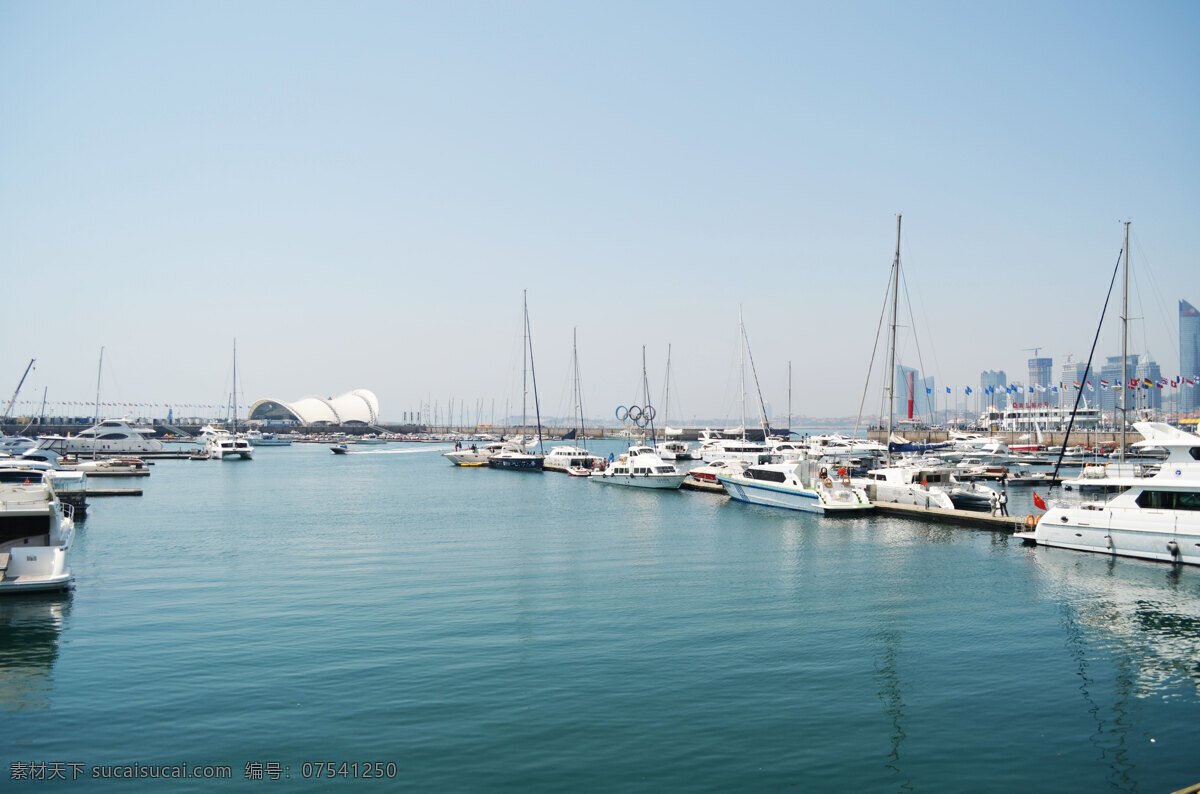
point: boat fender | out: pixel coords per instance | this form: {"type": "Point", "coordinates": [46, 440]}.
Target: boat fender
{"type": "Point", "coordinates": [828, 483]}
{"type": "Point", "coordinates": [1031, 521]}
{"type": "Point", "coordinates": [1173, 547]}
{"type": "Point", "coordinates": [846, 481]}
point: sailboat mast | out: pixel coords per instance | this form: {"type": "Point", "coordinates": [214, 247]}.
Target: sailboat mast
{"type": "Point", "coordinates": [892, 345]}
{"type": "Point", "coordinates": [524, 356]}
{"type": "Point", "coordinates": [533, 377]}
{"type": "Point", "coordinates": [742, 367]}
{"type": "Point", "coordinates": [17, 391]}
{"type": "Point", "coordinates": [580, 430]}
{"type": "Point", "coordinates": [1124, 344]}
{"type": "Point", "coordinates": [235, 386]}
{"type": "Point", "coordinates": [789, 398]}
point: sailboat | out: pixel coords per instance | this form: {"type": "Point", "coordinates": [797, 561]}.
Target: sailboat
{"type": "Point", "coordinates": [226, 445]}
{"type": "Point", "coordinates": [1154, 518]}
{"type": "Point", "coordinates": [514, 455]}
{"type": "Point", "coordinates": [715, 449]}
{"type": "Point", "coordinates": [640, 466]}
{"type": "Point", "coordinates": [573, 459]}
{"type": "Point", "coordinates": [673, 448]}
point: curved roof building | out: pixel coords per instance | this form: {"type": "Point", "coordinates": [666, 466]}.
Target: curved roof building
{"type": "Point", "coordinates": [358, 407]}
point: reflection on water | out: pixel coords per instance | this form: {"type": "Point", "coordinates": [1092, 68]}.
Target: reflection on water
{"type": "Point", "coordinates": [1144, 616]}
{"type": "Point", "coordinates": [892, 699]}
{"type": "Point", "coordinates": [29, 629]}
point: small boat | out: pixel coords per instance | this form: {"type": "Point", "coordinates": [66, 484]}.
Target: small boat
{"type": "Point", "coordinates": [36, 530]}
{"type": "Point", "coordinates": [579, 471]}
{"type": "Point", "coordinates": [640, 467]}
{"type": "Point", "coordinates": [339, 449]}
{"type": "Point", "coordinates": [474, 455]}
{"type": "Point", "coordinates": [704, 478]}
{"type": "Point", "coordinates": [803, 486]}
{"type": "Point", "coordinates": [567, 458]}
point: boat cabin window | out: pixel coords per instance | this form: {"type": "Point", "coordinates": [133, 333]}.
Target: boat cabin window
{"type": "Point", "coordinates": [664, 470]}
{"type": "Point", "coordinates": [112, 436]}
{"type": "Point", "coordinates": [20, 477]}
{"type": "Point", "coordinates": [641, 470]}
{"type": "Point", "coordinates": [765, 474]}
{"type": "Point", "coordinates": [620, 470]}
{"type": "Point", "coordinates": [1169, 500]}
{"type": "Point", "coordinates": [1195, 453]}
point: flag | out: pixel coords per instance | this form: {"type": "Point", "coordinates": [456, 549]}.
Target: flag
{"type": "Point", "coordinates": [1190, 382]}
{"type": "Point", "coordinates": [1090, 386]}
{"type": "Point", "coordinates": [947, 390]}
{"type": "Point", "coordinates": [1147, 383]}
{"type": "Point", "coordinates": [1054, 389]}
{"type": "Point", "coordinates": [928, 390]}
{"type": "Point", "coordinates": [1031, 390]}
{"type": "Point", "coordinates": [1103, 382]}
{"type": "Point", "coordinates": [968, 390]}
{"type": "Point", "coordinates": [1038, 501]}
{"type": "Point", "coordinates": [1077, 385]}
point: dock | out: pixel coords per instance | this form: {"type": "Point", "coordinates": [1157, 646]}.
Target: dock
{"type": "Point", "coordinates": [974, 518]}
{"type": "Point", "coordinates": [114, 491]}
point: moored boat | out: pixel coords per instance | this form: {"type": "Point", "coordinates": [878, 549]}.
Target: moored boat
{"type": "Point", "coordinates": [36, 530]}
{"type": "Point", "coordinates": [795, 486]}
{"type": "Point", "coordinates": [640, 467]}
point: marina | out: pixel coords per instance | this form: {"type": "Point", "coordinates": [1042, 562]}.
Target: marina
{"type": "Point", "coordinates": [654, 618]}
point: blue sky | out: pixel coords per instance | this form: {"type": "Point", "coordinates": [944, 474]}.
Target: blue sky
{"type": "Point", "coordinates": [358, 192]}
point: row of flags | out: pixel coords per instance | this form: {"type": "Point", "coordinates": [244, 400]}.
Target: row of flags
{"type": "Point", "coordinates": [92, 403]}
{"type": "Point", "coordinates": [1134, 383]}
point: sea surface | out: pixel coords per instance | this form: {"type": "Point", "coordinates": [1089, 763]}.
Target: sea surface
{"type": "Point", "coordinates": [457, 629]}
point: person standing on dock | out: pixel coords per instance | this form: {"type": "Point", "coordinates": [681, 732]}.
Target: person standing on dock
{"type": "Point", "coordinates": [994, 501]}
{"type": "Point", "coordinates": [1003, 502]}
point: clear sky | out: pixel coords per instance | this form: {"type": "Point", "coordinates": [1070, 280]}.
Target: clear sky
{"type": "Point", "coordinates": [358, 193]}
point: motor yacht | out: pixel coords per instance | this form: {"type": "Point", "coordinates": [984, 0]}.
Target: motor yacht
{"type": "Point", "coordinates": [704, 478]}
{"type": "Point", "coordinates": [473, 455]}
{"type": "Point", "coordinates": [804, 485]}
{"type": "Point", "coordinates": [36, 530]}
{"type": "Point", "coordinates": [514, 456]}
{"type": "Point", "coordinates": [1154, 518]}
{"type": "Point", "coordinates": [565, 458]}
{"type": "Point", "coordinates": [110, 437]}
{"type": "Point", "coordinates": [675, 450]}
{"type": "Point", "coordinates": [226, 446]}
{"type": "Point", "coordinates": [640, 467]}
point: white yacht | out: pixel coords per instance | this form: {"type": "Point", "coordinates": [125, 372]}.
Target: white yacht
{"type": "Point", "coordinates": [803, 486]}
{"type": "Point", "coordinates": [110, 437]}
{"type": "Point", "coordinates": [225, 445]}
{"type": "Point", "coordinates": [640, 467]}
{"type": "Point", "coordinates": [514, 455]}
{"type": "Point", "coordinates": [36, 530]}
{"type": "Point", "coordinates": [675, 450]}
{"type": "Point", "coordinates": [924, 486]}
{"type": "Point", "coordinates": [1155, 518]}
{"type": "Point", "coordinates": [258, 438]}
{"type": "Point", "coordinates": [734, 449]}
{"type": "Point", "coordinates": [473, 455]}
{"type": "Point", "coordinates": [565, 458]}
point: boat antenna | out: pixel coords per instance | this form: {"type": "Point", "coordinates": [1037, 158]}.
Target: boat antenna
{"type": "Point", "coordinates": [11, 401]}
{"type": "Point", "coordinates": [1087, 370]}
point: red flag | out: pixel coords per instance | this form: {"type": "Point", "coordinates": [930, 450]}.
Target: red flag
{"type": "Point", "coordinates": [1038, 501]}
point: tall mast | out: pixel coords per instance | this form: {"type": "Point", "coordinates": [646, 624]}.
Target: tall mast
{"type": "Point", "coordinates": [8, 409]}
{"type": "Point", "coordinates": [789, 398]}
{"type": "Point", "coordinates": [533, 377]}
{"type": "Point", "coordinates": [578, 386]}
{"type": "Point", "coordinates": [1124, 343]}
{"type": "Point", "coordinates": [742, 367]}
{"type": "Point", "coordinates": [524, 356]}
{"type": "Point", "coordinates": [892, 345]}
{"type": "Point", "coordinates": [235, 386]}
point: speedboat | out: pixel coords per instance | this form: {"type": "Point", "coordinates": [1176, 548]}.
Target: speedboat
{"type": "Point", "coordinates": [1154, 518]}
{"type": "Point", "coordinates": [110, 437]}
{"type": "Point", "coordinates": [704, 478]}
{"type": "Point", "coordinates": [36, 530]}
{"type": "Point", "coordinates": [640, 467]}
{"type": "Point", "coordinates": [473, 455]}
{"type": "Point", "coordinates": [514, 456]}
{"type": "Point", "coordinates": [339, 449]}
{"type": "Point", "coordinates": [566, 458]}
{"type": "Point", "coordinates": [796, 486]}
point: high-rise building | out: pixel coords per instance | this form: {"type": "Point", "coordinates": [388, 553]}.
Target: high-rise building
{"type": "Point", "coordinates": [1076, 372]}
{"type": "Point", "coordinates": [1040, 374]}
{"type": "Point", "coordinates": [1189, 356]}
{"type": "Point", "coordinates": [1110, 398]}
{"type": "Point", "coordinates": [924, 393]}
{"type": "Point", "coordinates": [997, 381]}
{"type": "Point", "coordinates": [1148, 397]}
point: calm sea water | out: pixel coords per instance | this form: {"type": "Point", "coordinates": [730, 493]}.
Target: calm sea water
{"type": "Point", "coordinates": [488, 630]}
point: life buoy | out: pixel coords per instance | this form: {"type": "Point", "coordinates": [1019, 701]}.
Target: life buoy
{"type": "Point", "coordinates": [828, 483]}
{"type": "Point", "coordinates": [846, 481]}
{"type": "Point", "coordinates": [1030, 521]}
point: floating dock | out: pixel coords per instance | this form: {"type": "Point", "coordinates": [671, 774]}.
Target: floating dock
{"type": "Point", "coordinates": [974, 518]}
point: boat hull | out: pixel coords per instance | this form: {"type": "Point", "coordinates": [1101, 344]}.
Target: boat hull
{"type": "Point", "coordinates": [1103, 531]}
{"type": "Point", "coordinates": [656, 481]}
{"type": "Point", "coordinates": [517, 463]}
{"type": "Point", "coordinates": [841, 500]}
